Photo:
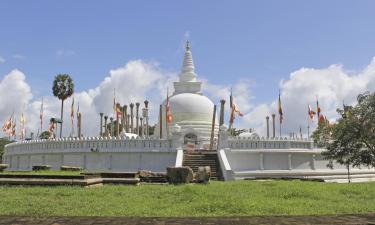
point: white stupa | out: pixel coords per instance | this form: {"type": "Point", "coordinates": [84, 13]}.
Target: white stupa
{"type": "Point", "coordinates": [190, 109]}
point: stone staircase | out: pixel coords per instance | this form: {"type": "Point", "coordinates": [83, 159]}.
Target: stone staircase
{"type": "Point", "coordinates": [203, 158]}
{"type": "Point", "coordinates": [158, 178]}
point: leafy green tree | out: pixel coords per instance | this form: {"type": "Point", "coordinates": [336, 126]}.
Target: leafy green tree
{"type": "Point", "coordinates": [351, 140]}
{"type": "Point", "coordinates": [3, 142]}
{"type": "Point", "coordinates": [236, 132]}
{"type": "Point", "coordinates": [63, 88]}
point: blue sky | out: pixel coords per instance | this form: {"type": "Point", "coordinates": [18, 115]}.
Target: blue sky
{"type": "Point", "coordinates": [259, 40]}
{"type": "Point", "coordinates": [307, 49]}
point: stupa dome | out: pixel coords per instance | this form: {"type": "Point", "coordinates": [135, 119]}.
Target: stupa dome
{"type": "Point", "coordinates": [191, 107]}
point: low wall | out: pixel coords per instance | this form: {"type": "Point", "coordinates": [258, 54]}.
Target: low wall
{"type": "Point", "coordinates": [286, 163]}
{"type": "Point", "coordinates": [93, 154]}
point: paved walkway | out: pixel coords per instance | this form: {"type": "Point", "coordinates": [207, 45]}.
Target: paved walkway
{"type": "Point", "coordinates": [342, 219]}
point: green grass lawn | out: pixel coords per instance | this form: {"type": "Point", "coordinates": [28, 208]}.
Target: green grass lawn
{"type": "Point", "coordinates": [239, 198]}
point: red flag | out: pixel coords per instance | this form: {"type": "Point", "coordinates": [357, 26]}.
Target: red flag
{"type": "Point", "coordinates": [280, 110]}
{"type": "Point", "coordinates": [168, 111]}
{"type": "Point", "coordinates": [311, 113]}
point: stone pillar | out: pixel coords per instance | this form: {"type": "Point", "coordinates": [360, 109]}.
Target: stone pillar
{"type": "Point", "coordinates": [105, 126]}
{"type": "Point", "coordinates": [123, 119]}
{"type": "Point", "coordinates": [213, 129]}
{"type": "Point", "coordinates": [161, 121]}
{"type": "Point", "coordinates": [101, 124]}
{"type": "Point", "coordinates": [111, 119]}
{"type": "Point", "coordinates": [146, 130]}
{"type": "Point", "coordinates": [131, 117]}
{"type": "Point", "coordinates": [80, 124]}
{"type": "Point", "coordinates": [222, 104]}
{"type": "Point", "coordinates": [137, 117]}
{"type": "Point", "coordinates": [126, 124]}
{"type": "Point", "coordinates": [141, 127]}
{"type": "Point", "coordinates": [268, 126]}
{"type": "Point", "coordinates": [273, 126]}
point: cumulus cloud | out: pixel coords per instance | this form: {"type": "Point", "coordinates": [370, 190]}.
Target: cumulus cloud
{"type": "Point", "coordinates": [132, 83]}
{"type": "Point", "coordinates": [331, 86]}
{"type": "Point", "coordinates": [138, 79]}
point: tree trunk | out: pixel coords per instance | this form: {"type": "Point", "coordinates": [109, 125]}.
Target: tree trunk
{"type": "Point", "coordinates": [62, 113]}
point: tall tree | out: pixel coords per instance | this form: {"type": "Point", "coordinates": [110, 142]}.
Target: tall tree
{"type": "Point", "coordinates": [351, 140]}
{"type": "Point", "coordinates": [63, 88]}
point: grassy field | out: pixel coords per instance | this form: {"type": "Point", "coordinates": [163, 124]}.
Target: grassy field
{"type": "Point", "coordinates": [216, 199]}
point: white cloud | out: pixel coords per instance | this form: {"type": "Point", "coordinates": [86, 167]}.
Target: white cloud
{"type": "Point", "coordinates": [331, 86]}
{"type": "Point", "coordinates": [138, 79]}
{"type": "Point", "coordinates": [132, 82]}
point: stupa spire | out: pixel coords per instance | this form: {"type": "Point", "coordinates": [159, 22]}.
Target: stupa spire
{"type": "Point", "coordinates": [187, 72]}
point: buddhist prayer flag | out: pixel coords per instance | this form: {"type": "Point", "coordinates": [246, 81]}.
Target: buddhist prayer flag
{"type": "Point", "coordinates": [22, 127]}
{"type": "Point", "coordinates": [311, 113]}
{"type": "Point", "coordinates": [13, 132]}
{"type": "Point", "coordinates": [281, 115]}
{"type": "Point", "coordinates": [322, 119]}
{"type": "Point", "coordinates": [168, 110]}
{"type": "Point", "coordinates": [8, 124]}
{"type": "Point", "coordinates": [72, 112]}
{"type": "Point", "coordinates": [234, 110]}
{"type": "Point", "coordinates": [118, 110]}
{"type": "Point", "coordinates": [41, 116]}
{"type": "Point", "coordinates": [318, 108]}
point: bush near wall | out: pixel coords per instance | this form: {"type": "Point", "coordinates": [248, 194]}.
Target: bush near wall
{"type": "Point", "coordinates": [3, 142]}
{"type": "Point", "coordinates": [3, 167]}
{"type": "Point", "coordinates": [41, 167]}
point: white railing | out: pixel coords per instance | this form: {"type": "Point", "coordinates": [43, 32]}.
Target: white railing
{"type": "Point", "coordinates": [90, 144]}
{"type": "Point", "coordinates": [269, 143]}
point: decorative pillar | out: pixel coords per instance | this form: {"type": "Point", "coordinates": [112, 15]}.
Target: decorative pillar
{"type": "Point", "coordinates": [79, 124]}
{"type": "Point", "coordinates": [111, 119]}
{"type": "Point", "coordinates": [146, 107]}
{"type": "Point", "coordinates": [222, 104]}
{"type": "Point", "coordinates": [105, 126]}
{"type": "Point", "coordinates": [131, 117]}
{"type": "Point", "coordinates": [161, 121]}
{"type": "Point", "coordinates": [290, 161]}
{"type": "Point", "coordinates": [140, 132]}
{"type": "Point", "coordinates": [137, 117]}
{"type": "Point", "coordinates": [273, 126]}
{"type": "Point", "coordinates": [123, 119]}
{"type": "Point", "coordinates": [213, 129]}
{"type": "Point", "coordinates": [101, 124]}
{"type": "Point", "coordinates": [268, 126]}
{"type": "Point", "coordinates": [126, 123]}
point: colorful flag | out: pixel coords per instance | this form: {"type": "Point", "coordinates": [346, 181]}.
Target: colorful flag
{"type": "Point", "coordinates": [118, 110]}
{"type": "Point", "coordinates": [78, 116]}
{"type": "Point", "coordinates": [8, 124]}
{"type": "Point", "coordinates": [13, 132]}
{"type": "Point", "coordinates": [318, 108]}
{"type": "Point", "coordinates": [233, 113]}
{"type": "Point", "coordinates": [311, 113]}
{"type": "Point", "coordinates": [322, 119]}
{"type": "Point", "coordinates": [72, 113]}
{"type": "Point", "coordinates": [22, 127]}
{"type": "Point", "coordinates": [41, 116]}
{"type": "Point", "coordinates": [280, 110]}
{"type": "Point", "coordinates": [51, 128]}
{"type": "Point", "coordinates": [168, 110]}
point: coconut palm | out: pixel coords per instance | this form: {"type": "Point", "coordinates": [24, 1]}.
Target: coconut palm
{"type": "Point", "coordinates": [63, 88]}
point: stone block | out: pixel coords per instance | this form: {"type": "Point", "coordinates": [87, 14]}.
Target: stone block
{"type": "Point", "coordinates": [180, 175]}
{"type": "Point", "coordinates": [203, 175]}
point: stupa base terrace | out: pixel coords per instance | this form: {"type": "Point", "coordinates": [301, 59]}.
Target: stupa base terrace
{"type": "Point", "coordinates": [238, 157]}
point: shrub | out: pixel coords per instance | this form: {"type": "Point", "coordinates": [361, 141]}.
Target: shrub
{"type": "Point", "coordinates": [41, 167]}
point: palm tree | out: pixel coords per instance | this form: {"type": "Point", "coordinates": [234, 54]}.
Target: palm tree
{"type": "Point", "coordinates": [63, 88]}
